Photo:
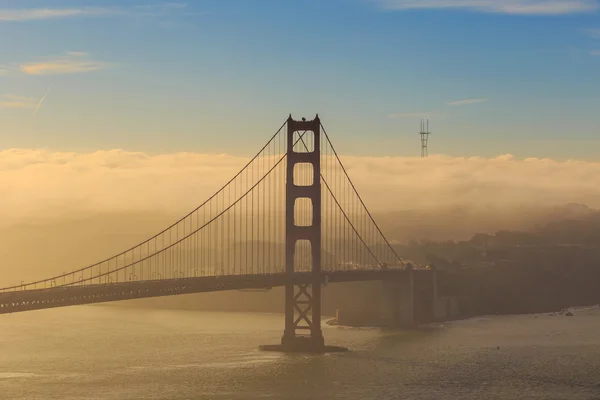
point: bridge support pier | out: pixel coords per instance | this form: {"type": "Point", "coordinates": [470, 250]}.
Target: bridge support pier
{"type": "Point", "coordinates": [397, 301]}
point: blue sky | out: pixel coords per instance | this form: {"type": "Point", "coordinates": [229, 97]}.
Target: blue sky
{"type": "Point", "coordinates": [493, 76]}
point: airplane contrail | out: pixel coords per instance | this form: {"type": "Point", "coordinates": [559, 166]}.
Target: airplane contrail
{"type": "Point", "coordinates": [41, 101]}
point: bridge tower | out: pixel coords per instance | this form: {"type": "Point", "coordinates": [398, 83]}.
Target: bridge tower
{"type": "Point", "coordinates": [424, 137]}
{"type": "Point", "coordinates": [303, 302]}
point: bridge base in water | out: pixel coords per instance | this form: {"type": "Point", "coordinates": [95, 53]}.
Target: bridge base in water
{"type": "Point", "coordinates": [302, 345]}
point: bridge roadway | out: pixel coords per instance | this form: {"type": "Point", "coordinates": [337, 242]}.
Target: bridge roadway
{"type": "Point", "coordinates": [61, 296]}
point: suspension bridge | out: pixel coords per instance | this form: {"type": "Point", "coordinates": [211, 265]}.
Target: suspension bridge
{"type": "Point", "coordinates": [291, 217]}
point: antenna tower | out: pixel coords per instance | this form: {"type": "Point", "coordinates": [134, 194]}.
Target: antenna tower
{"type": "Point", "coordinates": [424, 137]}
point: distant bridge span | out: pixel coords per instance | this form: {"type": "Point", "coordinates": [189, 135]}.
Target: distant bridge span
{"type": "Point", "coordinates": [62, 296]}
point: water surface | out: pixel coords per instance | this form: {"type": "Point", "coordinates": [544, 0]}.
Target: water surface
{"type": "Point", "coordinates": [104, 352]}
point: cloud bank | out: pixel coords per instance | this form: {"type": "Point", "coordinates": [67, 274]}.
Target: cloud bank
{"type": "Point", "coordinates": [522, 7]}
{"type": "Point", "coordinates": [43, 184]}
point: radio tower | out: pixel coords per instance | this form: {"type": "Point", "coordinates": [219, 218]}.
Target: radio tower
{"type": "Point", "coordinates": [424, 137]}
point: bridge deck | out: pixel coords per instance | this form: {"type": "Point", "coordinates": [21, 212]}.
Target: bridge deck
{"type": "Point", "coordinates": [28, 300]}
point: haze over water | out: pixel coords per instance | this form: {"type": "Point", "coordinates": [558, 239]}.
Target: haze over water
{"type": "Point", "coordinates": [100, 352]}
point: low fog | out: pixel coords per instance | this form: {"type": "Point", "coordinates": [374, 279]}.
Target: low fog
{"type": "Point", "coordinates": [60, 211]}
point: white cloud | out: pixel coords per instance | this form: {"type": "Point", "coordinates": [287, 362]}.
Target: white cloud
{"type": "Point", "coordinates": [32, 14]}
{"type": "Point", "coordinates": [465, 102]}
{"type": "Point", "coordinates": [410, 115]}
{"type": "Point", "coordinates": [73, 62]}
{"type": "Point", "coordinates": [522, 7]}
{"type": "Point", "coordinates": [40, 183]}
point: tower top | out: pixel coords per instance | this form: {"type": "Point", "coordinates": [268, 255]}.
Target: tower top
{"type": "Point", "coordinates": [303, 119]}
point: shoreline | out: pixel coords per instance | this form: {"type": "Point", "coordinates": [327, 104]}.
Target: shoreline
{"type": "Point", "coordinates": [570, 311]}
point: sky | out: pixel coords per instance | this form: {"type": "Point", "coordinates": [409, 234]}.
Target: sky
{"type": "Point", "coordinates": [495, 77]}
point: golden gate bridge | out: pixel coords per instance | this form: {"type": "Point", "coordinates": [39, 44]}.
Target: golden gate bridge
{"type": "Point", "coordinates": [290, 217]}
